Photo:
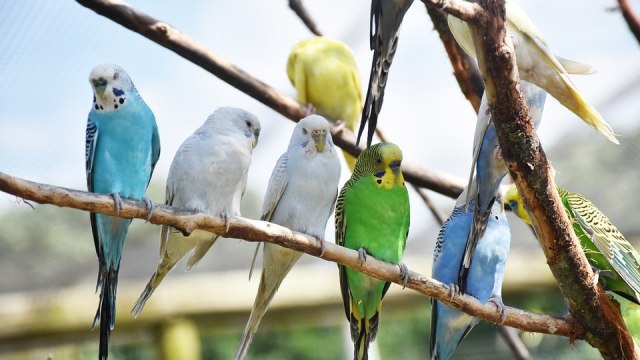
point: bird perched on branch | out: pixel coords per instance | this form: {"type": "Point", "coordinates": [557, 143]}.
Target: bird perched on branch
{"type": "Point", "coordinates": [537, 65]}
{"type": "Point", "coordinates": [613, 258]}
{"type": "Point", "coordinates": [372, 217]}
{"type": "Point", "coordinates": [325, 76]}
{"type": "Point", "coordinates": [384, 31]}
{"type": "Point", "coordinates": [490, 168]}
{"type": "Point", "coordinates": [122, 148]}
{"type": "Point", "coordinates": [301, 195]}
{"type": "Point", "coordinates": [208, 175]}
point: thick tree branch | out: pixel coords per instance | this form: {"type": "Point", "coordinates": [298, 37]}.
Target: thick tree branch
{"type": "Point", "coordinates": [190, 49]}
{"type": "Point", "coordinates": [254, 230]}
{"type": "Point", "coordinates": [588, 304]}
{"type": "Point", "coordinates": [464, 66]}
{"type": "Point", "coordinates": [630, 17]}
{"type": "Point", "coordinates": [298, 7]}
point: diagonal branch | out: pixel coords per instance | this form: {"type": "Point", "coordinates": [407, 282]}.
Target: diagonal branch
{"type": "Point", "coordinates": [254, 230]}
{"type": "Point", "coordinates": [298, 7]}
{"type": "Point", "coordinates": [630, 17]}
{"type": "Point", "coordinates": [190, 49]}
{"type": "Point", "coordinates": [588, 304]}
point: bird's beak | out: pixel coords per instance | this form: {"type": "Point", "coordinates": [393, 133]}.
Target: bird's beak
{"type": "Point", "coordinates": [395, 167]}
{"type": "Point", "coordinates": [256, 136]}
{"type": "Point", "coordinates": [100, 86]}
{"type": "Point", "coordinates": [319, 138]}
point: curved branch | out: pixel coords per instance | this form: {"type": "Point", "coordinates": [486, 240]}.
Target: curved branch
{"type": "Point", "coordinates": [254, 230]}
{"type": "Point", "coordinates": [589, 305]}
{"type": "Point", "coordinates": [190, 49]}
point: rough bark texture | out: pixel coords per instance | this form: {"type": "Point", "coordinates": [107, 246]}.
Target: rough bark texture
{"type": "Point", "coordinates": [190, 49]}
{"type": "Point", "coordinates": [254, 230]}
{"type": "Point", "coordinates": [589, 305]}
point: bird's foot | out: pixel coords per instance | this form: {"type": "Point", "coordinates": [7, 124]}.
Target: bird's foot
{"type": "Point", "coordinates": [117, 201]}
{"type": "Point", "coordinates": [150, 207]}
{"type": "Point", "coordinates": [320, 241]}
{"type": "Point", "coordinates": [497, 301]}
{"type": "Point", "coordinates": [310, 109]}
{"type": "Point", "coordinates": [404, 274]}
{"type": "Point", "coordinates": [453, 290]}
{"type": "Point", "coordinates": [340, 125]}
{"type": "Point", "coordinates": [362, 256]}
{"type": "Point", "coordinates": [600, 272]}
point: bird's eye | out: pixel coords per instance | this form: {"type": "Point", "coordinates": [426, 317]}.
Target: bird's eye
{"type": "Point", "coordinates": [378, 161]}
{"type": "Point", "coordinates": [248, 123]}
{"type": "Point", "coordinates": [513, 204]}
{"type": "Point", "coordinates": [116, 75]}
{"type": "Point", "coordinates": [304, 131]}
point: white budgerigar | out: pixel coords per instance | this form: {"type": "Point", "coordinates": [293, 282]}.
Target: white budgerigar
{"type": "Point", "coordinates": [301, 195]}
{"type": "Point", "coordinates": [208, 174]}
{"type": "Point", "coordinates": [537, 65]}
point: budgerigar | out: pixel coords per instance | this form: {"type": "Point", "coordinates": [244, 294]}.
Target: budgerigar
{"type": "Point", "coordinates": [384, 30]}
{"type": "Point", "coordinates": [209, 175]}
{"type": "Point", "coordinates": [448, 325]}
{"type": "Point", "coordinates": [490, 168]}
{"type": "Point", "coordinates": [612, 256]}
{"type": "Point", "coordinates": [372, 217]}
{"type": "Point", "coordinates": [325, 75]}
{"type": "Point", "coordinates": [537, 65]}
{"type": "Point", "coordinates": [122, 148]}
{"type": "Point", "coordinates": [301, 194]}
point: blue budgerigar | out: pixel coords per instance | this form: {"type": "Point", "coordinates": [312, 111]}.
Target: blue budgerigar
{"type": "Point", "coordinates": [448, 325]}
{"type": "Point", "coordinates": [122, 148]}
{"type": "Point", "coordinates": [490, 168]}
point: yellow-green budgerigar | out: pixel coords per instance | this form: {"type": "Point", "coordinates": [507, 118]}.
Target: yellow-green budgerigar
{"type": "Point", "coordinates": [372, 217]}
{"type": "Point", "coordinates": [537, 65]}
{"type": "Point", "coordinates": [604, 246]}
{"type": "Point", "coordinates": [325, 75]}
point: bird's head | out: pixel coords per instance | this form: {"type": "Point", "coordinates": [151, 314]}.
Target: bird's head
{"type": "Point", "coordinates": [514, 202]}
{"type": "Point", "coordinates": [383, 162]}
{"type": "Point", "coordinates": [235, 120]}
{"type": "Point", "coordinates": [111, 87]}
{"type": "Point", "coordinates": [313, 133]}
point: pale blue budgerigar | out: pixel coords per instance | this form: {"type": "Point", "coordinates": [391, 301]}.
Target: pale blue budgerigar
{"type": "Point", "coordinates": [384, 30]}
{"type": "Point", "coordinates": [301, 195]}
{"type": "Point", "coordinates": [490, 168]}
{"type": "Point", "coordinates": [208, 175]}
{"type": "Point", "coordinates": [539, 66]}
{"type": "Point", "coordinates": [122, 148]}
{"type": "Point", "coordinates": [448, 325]}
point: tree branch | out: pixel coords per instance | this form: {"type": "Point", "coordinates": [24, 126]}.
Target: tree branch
{"type": "Point", "coordinates": [630, 17]}
{"type": "Point", "coordinates": [588, 304]}
{"type": "Point", "coordinates": [190, 49]}
{"type": "Point", "coordinates": [298, 7]}
{"type": "Point", "coordinates": [464, 66]}
{"type": "Point", "coordinates": [254, 230]}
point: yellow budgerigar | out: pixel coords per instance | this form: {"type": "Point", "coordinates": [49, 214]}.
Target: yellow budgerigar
{"type": "Point", "coordinates": [537, 65]}
{"type": "Point", "coordinates": [325, 75]}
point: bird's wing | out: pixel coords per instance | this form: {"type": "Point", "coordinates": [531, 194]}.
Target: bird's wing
{"type": "Point", "coordinates": [277, 184]}
{"type": "Point", "coordinates": [155, 149]}
{"type": "Point", "coordinates": [341, 228]}
{"type": "Point", "coordinates": [606, 237]}
{"type": "Point", "coordinates": [89, 152]}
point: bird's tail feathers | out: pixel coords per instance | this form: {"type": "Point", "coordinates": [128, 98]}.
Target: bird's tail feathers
{"type": "Point", "coordinates": [106, 312]}
{"type": "Point", "coordinates": [142, 300]}
{"type": "Point", "coordinates": [361, 342]}
{"type": "Point", "coordinates": [199, 252]}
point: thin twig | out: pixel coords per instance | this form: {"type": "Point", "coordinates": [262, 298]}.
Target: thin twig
{"type": "Point", "coordinates": [298, 7]}
{"type": "Point", "coordinates": [254, 230]}
{"type": "Point", "coordinates": [630, 17]}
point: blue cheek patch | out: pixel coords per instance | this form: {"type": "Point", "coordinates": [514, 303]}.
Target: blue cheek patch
{"type": "Point", "coordinates": [304, 144]}
{"type": "Point", "coordinates": [379, 174]}
{"type": "Point", "coordinates": [117, 92]}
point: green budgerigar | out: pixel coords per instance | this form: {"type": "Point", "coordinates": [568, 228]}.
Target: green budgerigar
{"type": "Point", "coordinates": [617, 262]}
{"type": "Point", "coordinates": [372, 217]}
